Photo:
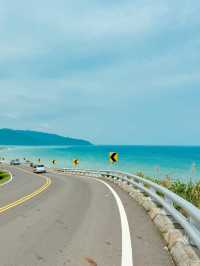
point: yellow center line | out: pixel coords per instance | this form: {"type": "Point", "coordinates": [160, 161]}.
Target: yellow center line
{"type": "Point", "coordinates": [29, 196]}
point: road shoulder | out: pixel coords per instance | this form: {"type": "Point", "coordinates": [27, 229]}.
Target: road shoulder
{"type": "Point", "coordinates": [149, 247]}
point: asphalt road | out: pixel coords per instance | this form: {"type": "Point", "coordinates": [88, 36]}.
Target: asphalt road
{"type": "Point", "coordinates": [73, 221]}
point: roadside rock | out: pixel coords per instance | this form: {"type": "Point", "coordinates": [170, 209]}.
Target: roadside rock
{"type": "Point", "coordinates": [184, 255]}
{"type": "Point", "coordinates": [173, 236]}
{"type": "Point", "coordinates": [156, 211]}
{"type": "Point", "coordinates": [163, 223]}
{"type": "Point", "coordinates": [138, 196]}
{"type": "Point", "coordinates": [148, 204]}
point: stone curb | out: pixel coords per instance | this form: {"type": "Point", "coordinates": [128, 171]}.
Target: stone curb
{"type": "Point", "coordinates": [181, 251]}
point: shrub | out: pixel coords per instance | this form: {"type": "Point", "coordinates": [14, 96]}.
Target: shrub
{"type": "Point", "coordinates": [190, 191]}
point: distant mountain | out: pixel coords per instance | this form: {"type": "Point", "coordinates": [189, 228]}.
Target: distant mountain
{"type": "Point", "coordinates": [34, 138]}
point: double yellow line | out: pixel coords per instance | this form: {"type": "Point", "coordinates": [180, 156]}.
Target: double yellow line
{"type": "Point", "coordinates": [29, 196]}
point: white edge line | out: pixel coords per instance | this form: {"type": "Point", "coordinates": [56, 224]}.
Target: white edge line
{"type": "Point", "coordinates": [10, 180]}
{"type": "Point", "coordinates": [127, 253]}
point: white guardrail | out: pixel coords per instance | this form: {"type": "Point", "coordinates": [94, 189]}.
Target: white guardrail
{"type": "Point", "coordinates": [167, 199]}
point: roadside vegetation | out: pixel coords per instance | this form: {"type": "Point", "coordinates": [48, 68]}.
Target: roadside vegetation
{"type": "Point", "coordinates": [4, 177]}
{"type": "Point", "coordinates": [187, 190]}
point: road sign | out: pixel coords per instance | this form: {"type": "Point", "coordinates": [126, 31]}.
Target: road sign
{"type": "Point", "coordinates": [114, 157]}
{"type": "Point", "coordinates": [75, 162]}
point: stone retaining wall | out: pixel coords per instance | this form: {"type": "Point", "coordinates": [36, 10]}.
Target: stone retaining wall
{"type": "Point", "coordinates": [177, 243]}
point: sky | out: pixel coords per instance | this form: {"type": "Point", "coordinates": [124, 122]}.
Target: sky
{"type": "Point", "coordinates": [112, 72]}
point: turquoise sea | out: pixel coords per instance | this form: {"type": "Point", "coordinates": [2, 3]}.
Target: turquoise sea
{"type": "Point", "coordinates": [177, 162]}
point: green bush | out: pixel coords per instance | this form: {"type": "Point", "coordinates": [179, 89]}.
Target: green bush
{"type": "Point", "coordinates": [187, 190]}
{"type": "Point", "coordinates": [4, 175]}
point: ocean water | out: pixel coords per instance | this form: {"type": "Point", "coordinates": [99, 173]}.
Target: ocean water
{"type": "Point", "coordinates": [159, 161]}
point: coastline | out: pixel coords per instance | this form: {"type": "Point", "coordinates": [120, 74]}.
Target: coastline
{"type": "Point", "coordinates": [180, 163]}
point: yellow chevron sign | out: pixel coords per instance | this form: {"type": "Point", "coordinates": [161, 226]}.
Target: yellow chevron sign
{"type": "Point", "coordinates": [75, 162]}
{"type": "Point", "coordinates": [114, 157]}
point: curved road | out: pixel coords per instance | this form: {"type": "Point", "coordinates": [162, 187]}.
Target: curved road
{"type": "Point", "coordinates": [75, 221]}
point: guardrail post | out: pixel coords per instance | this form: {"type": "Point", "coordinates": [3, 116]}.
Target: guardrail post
{"type": "Point", "coordinates": [168, 201]}
{"type": "Point", "coordinates": [152, 189]}
{"type": "Point", "coordinates": [128, 181]}
{"type": "Point", "coordinates": [196, 227]}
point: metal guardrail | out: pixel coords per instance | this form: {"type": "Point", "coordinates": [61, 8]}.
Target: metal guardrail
{"type": "Point", "coordinates": [162, 196]}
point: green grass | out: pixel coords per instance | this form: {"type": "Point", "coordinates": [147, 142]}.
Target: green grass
{"type": "Point", "coordinates": [4, 177]}
{"type": "Point", "coordinates": [187, 190]}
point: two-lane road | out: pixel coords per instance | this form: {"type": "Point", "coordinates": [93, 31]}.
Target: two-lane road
{"type": "Point", "coordinates": [75, 221]}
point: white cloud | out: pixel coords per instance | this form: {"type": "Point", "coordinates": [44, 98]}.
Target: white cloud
{"type": "Point", "coordinates": [71, 66]}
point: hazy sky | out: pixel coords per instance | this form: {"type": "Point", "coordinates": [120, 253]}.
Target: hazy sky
{"type": "Point", "coordinates": [119, 72]}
